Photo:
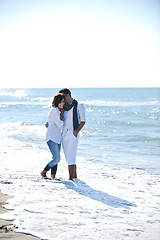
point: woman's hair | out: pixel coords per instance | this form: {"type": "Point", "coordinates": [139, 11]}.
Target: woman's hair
{"type": "Point", "coordinates": [57, 99]}
{"type": "Point", "coordinates": [65, 91]}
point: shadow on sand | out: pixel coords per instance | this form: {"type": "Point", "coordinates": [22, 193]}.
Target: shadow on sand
{"type": "Point", "coordinates": [85, 190]}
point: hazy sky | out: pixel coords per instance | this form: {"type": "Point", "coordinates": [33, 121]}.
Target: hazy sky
{"type": "Point", "coordinates": [61, 43]}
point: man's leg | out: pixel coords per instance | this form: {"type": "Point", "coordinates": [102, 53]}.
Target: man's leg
{"type": "Point", "coordinates": [75, 171]}
{"type": "Point", "coordinates": [71, 170]}
{"type": "Point", "coordinates": [70, 142]}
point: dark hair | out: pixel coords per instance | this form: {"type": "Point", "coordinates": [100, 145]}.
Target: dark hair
{"type": "Point", "coordinates": [57, 99]}
{"type": "Point", "coordinates": [65, 91]}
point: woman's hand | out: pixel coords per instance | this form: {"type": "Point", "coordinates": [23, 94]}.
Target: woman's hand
{"type": "Point", "coordinates": [46, 125]}
{"type": "Point", "coordinates": [61, 113]}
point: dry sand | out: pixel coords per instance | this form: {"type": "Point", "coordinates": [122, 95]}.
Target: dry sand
{"type": "Point", "coordinates": [6, 227]}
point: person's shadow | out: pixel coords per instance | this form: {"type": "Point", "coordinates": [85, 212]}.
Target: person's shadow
{"type": "Point", "coordinates": [85, 190]}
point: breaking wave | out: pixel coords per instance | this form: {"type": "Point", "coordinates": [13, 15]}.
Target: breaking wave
{"type": "Point", "coordinates": [103, 103]}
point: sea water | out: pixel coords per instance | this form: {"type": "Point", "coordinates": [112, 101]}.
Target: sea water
{"type": "Point", "coordinates": [117, 193]}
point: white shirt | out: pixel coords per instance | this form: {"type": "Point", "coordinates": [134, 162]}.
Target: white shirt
{"type": "Point", "coordinates": [55, 125]}
{"type": "Point", "coordinates": [68, 118]}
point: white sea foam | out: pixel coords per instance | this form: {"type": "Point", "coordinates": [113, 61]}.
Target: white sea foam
{"type": "Point", "coordinates": [85, 209]}
{"type": "Point", "coordinates": [17, 93]}
{"type": "Point", "coordinates": [27, 103]}
{"type": "Point", "coordinates": [119, 104]}
{"type": "Point", "coordinates": [42, 99]}
{"type": "Point", "coordinates": [103, 202]}
{"type": "Point", "coordinates": [23, 134]}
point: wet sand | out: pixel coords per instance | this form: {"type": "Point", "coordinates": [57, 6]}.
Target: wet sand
{"type": "Point", "coordinates": [6, 227]}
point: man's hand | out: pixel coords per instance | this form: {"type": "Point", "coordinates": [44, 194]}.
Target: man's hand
{"type": "Point", "coordinates": [81, 125]}
{"type": "Point", "coordinates": [75, 134]}
{"type": "Point", "coordinates": [46, 125]}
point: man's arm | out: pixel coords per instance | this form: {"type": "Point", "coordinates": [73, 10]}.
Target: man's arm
{"type": "Point", "coordinates": [81, 125]}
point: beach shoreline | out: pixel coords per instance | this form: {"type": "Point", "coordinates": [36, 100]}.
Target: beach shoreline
{"type": "Point", "coordinates": [7, 228]}
{"type": "Point", "coordinates": [116, 195]}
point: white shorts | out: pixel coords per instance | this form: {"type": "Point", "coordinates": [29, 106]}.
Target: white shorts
{"type": "Point", "coordinates": [70, 143]}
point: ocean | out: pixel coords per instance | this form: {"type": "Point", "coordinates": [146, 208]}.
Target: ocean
{"type": "Point", "coordinates": [117, 193]}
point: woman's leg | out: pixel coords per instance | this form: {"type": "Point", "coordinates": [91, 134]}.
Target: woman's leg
{"type": "Point", "coordinates": [55, 150]}
{"type": "Point", "coordinates": [53, 172]}
{"type": "Point", "coordinates": [54, 169]}
{"type": "Point", "coordinates": [43, 173]}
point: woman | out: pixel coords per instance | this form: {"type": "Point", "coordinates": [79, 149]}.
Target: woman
{"type": "Point", "coordinates": [53, 135]}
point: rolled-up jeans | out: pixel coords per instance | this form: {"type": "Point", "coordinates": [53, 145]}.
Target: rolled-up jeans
{"type": "Point", "coordinates": [55, 151]}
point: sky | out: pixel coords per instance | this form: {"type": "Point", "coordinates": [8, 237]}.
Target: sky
{"type": "Point", "coordinates": [83, 43]}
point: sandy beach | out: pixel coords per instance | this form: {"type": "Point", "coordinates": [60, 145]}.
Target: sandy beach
{"type": "Point", "coordinates": [6, 227]}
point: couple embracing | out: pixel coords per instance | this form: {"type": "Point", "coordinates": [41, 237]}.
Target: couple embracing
{"type": "Point", "coordinates": [65, 119]}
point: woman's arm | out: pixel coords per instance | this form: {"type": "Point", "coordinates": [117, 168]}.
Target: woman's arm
{"type": "Point", "coordinates": [55, 117]}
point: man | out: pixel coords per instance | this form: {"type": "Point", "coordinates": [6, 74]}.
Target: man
{"type": "Point", "coordinates": [74, 121]}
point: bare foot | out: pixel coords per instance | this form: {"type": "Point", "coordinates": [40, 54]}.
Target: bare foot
{"type": "Point", "coordinates": [43, 173]}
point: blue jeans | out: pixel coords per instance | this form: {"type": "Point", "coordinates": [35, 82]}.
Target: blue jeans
{"type": "Point", "coordinates": [55, 150]}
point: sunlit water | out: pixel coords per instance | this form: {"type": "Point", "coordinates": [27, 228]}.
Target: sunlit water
{"type": "Point", "coordinates": [117, 194]}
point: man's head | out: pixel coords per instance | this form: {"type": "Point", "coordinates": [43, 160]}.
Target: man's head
{"type": "Point", "coordinates": [67, 94]}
